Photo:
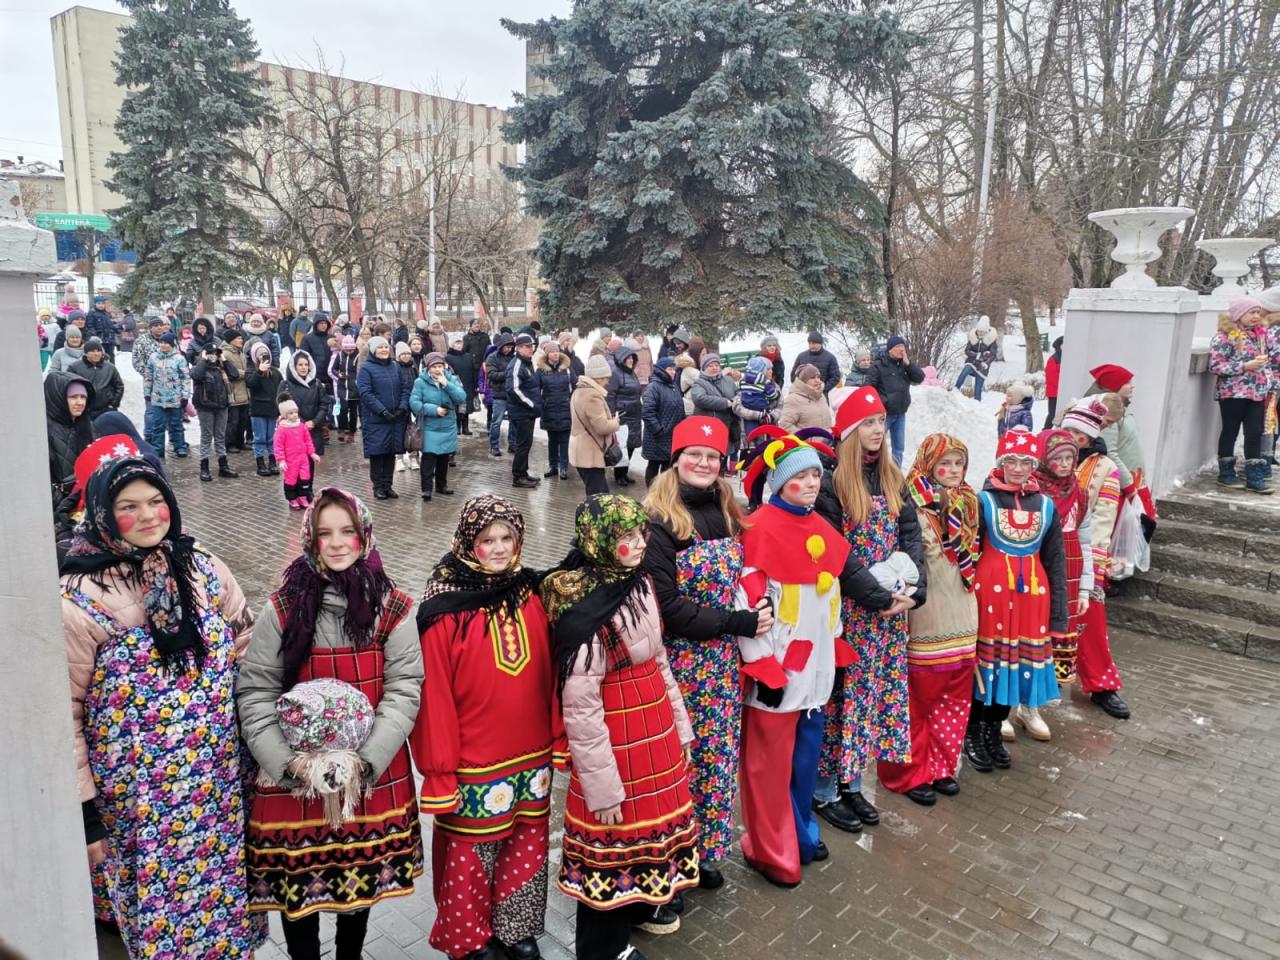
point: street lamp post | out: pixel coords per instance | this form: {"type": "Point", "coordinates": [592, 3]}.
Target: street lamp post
{"type": "Point", "coordinates": [431, 248]}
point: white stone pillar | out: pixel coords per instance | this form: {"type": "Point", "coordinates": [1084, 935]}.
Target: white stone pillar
{"type": "Point", "coordinates": [44, 874]}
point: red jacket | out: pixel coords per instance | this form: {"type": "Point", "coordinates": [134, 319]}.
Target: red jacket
{"type": "Point", "coordinates": [1052, 370]}
{"type": "Point", "coordinates": [484, 736]}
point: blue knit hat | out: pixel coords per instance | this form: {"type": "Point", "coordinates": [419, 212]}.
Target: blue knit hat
{"type": "Point", "coordinates": [796, 460]}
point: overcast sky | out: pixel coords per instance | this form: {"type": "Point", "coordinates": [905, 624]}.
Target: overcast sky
{"type": "Point", "coordinates": [449, 44]}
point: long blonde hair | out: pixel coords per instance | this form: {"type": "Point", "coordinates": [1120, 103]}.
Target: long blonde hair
{"type": "Point", "coordinates": [664, 503]}
{"type": "Point", "coordinates": [855, 498]}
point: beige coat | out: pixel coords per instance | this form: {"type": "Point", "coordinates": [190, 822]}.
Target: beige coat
{"type": "Point", "coordinates": [237, 390]}
{"type": "Point", "coordinates": [589, 743]}
{"type": "Point", "coordinates": [262, 678]}
{"type": "Point", "coordinates": [124, 602]}
{"type": "Point", "coordinates": [591, 426]}
{"type": "Point", "coordinates": [803, 406]}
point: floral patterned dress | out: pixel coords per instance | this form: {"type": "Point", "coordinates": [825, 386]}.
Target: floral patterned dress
{"type": "Point", "coordinates": [166, 759]}
{"type": "Point", "coordinates": [867, 714]}
{"type": "Point", "coordinates": [707, 573]}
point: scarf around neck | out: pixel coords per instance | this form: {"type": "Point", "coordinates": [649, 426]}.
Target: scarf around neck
{"type": "Point", "coordinates": [957, 525]}
{"type": "Point", "coordinates": [166, 573]}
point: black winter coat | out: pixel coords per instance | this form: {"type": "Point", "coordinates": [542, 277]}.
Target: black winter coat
{"type": "Point", "coordinates": [856, 581]}
{"type": "Point", "coordinates": [343, 378]}
{"type": "Point", "coordinates": [661, 410]}
{"type": "Point", "coordinates": [475, 343]}
{"type": "Point", "coordinates": [316, 343]}
{"type": "Point", "coordinates": [826, 363]}
{"type": "Point", "coordinates": [108, 388]}
{"type": "Point", "coordinates": [524, 398]}
{"type": "Point", "coordinates": [264, 389]}
{"type": "Point", "coordinates": [556, 386]}
{"type": "Point", "coordinates": [682, 617]}
{"type": "Point", "coordinates": [201, 334]}
{"type": "Point", "coordinates": [310, 395]}
{"type": "Point", "coordinates": [209, 390]}
{"type": "Point", "coordinates": [892, 380]}
{"type": "Point", "coordinates": [97, 323]}
{"type": "Point", "coordinates": [496, 365]}
{"type": "Point", "coordinates": [624, 392]}
{"type": "Point", "coordinates": [67, 437]}
{"type": "Point", "coordinates": [463, 365]}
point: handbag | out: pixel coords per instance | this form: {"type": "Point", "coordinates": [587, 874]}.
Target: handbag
{"type": "Point", "coordinates": [413, 437]}
{"type": "Point", "coordinates": [612, 452]}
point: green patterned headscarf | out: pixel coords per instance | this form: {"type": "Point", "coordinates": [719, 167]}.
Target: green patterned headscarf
{"type": "Point", "coordinates": [589, 587]}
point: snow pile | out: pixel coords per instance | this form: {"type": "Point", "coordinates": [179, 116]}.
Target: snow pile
{"type": "Point", "coordinates": [935, 410]}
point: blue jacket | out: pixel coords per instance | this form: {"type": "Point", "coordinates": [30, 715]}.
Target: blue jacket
{"type": "Point", "coordinates": [556, 384]}
{"type": "Point", "coordinates": [167, 380]}
{"type": "Point", "coordinates": [661, 409]}
{"type": "Point", "coordinates": [382, 389]}
{"type": "Point", "coordinates": [439, 433]}
{"type": "Point", "coordinates": [524, 399]}
{"type": "Point", "coordinates": [1015, 416]}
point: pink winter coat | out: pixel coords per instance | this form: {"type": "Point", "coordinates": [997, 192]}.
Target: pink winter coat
{"type": "Point", "coordinates": [589, 743]}
{"type": "Point", "coordinates": [293, 448]}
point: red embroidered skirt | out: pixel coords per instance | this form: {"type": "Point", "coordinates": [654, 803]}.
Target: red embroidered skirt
{"type": "Point", "coordinates": [1064, 648]}
{"type": "Point", "coordinates": [298, 863]}
{"type": "Point", "coordinates": [652, 853]}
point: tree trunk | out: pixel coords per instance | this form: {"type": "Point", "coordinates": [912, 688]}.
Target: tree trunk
{"type": "Point", "coordinates": [1031, 333]}
{"type": "Point", "coordinates": [206, 294]}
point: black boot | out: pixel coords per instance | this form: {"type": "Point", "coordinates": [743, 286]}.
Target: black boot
{"type": "Point", "coordinates": [861, 806]}
{"type": "Point", "coordinates": [204, 470]}
{"type": "Point", "coordinates": [224, 469]}
{"type": "Point", "coordinates": [975, 748]}
{"type": "Point", "coordinates": [1110, 701]}
{"type": "Point", "coordinates": [273, 468]}
{"type": "Point", "coordinates": [262, 467]}
{"type": "Point", "coordinates": [1000, 758]}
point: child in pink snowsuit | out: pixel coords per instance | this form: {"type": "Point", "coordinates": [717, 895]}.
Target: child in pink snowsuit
{"type": "Point", "coordinates": [295, 452]}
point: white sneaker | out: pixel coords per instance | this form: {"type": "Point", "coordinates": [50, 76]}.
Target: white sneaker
{"type": "Point", "coordinates": [1007, 733]}
{"type": "Point", "coordinates": [1030, 720]}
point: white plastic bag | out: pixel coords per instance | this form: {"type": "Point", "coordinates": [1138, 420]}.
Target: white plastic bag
{"type": "Point", "coordinates": [1129, 548]}
{"type": "Point", "coordinates": [620, 438]}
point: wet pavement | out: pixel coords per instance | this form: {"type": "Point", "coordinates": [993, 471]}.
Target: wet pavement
{"type": "Point", "coordinates": [1148, 838]}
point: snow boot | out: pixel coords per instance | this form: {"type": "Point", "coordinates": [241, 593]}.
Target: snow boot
{"type": "Point", "coordinates": [273, 468]}
{"type": "Point", "coordinates": [1268, 451]}
{"type": "Point", "coordinates": [1000, 758]}
{"type": "Point", "coordinates": [975, 748]}
{"type": "Point", "coordinates": [1255, 477]}
{"type": "Point", "coordinates": [1227, 476]}
{"type": "Point", "coordinates": [224, 469]}
{"type": "Point", "coordinates": [204, 470]}
{"type": "Point", "coordinates": [262, 467]}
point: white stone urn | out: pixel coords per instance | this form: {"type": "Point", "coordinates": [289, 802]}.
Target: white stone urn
{"type": "Point", "coordinates": [1232, 255]}
{"type": "Point", "coordinates": [1138, 231]}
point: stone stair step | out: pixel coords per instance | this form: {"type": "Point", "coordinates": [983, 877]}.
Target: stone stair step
{"type": "Point", "coordinates": [1226, 542]}
{"type": "Point", "coordinates": [1246, 603]}
{"type": "Point", "coordinates": [1203, 628]}
{"type": "Point", "coordinates": [1228, 508]}
{"type": "Point", "coordinates": [1197, 564]}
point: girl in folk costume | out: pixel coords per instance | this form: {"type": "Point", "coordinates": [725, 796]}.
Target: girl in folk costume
{"type": "Point", "coordinates": [1057, 478]}
{"type": "Point", "coordinates": [1099, 479]}
{"type": "Point", "coordinates": [944, 632]}
{"type": "Point", "coordinates": [867, 715]}
{"type": "Point", "coordinates": [155, 626]}
{"type": "Point", "coordinates": [695, 559]}
{"type": "Point", "coordinates": [630, 837]}
{"type": "Point", "coordinates": [1021, 587]}
{"type": "Point", "coordinates": [483, 740]}
{"type": "Point", "coordinates": [793, 559]}
{"type": "Point", "coordinates": [336, 615]}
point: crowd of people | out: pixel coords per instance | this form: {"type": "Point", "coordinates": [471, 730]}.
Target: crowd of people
{"type": "Point", "coordinates": [784, 597]}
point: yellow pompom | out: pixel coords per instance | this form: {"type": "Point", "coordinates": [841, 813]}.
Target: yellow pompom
{"type": "Point", "coordinates": [771, 453]}
{"type": "Point", "coordinates": [825, 580]}
{"type": "Point", "coordinates": [816, 547]}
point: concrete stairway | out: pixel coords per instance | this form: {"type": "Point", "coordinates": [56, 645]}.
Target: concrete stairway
{"type": "Point", "coordinates": [1215, 573]}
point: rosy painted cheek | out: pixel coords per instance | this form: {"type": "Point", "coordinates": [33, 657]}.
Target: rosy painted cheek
{"type": "Point", "coordinates": [482, 553]}
{"type": "Point", "coordinates": [793, 487]}
{"type": "Point", "coordinates": [126, 522]}
{"type": "Point", "coordinates": [355, 543]}
{"type": "Point", "coordinates": [624, 550]}
{"type": "Point", "coordinates": [163, 514]}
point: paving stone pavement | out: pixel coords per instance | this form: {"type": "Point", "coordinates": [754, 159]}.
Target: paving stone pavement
{"type": "Point", "coordinates": [1151, 838]}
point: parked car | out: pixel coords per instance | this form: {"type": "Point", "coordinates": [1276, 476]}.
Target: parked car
{"type": "Point", "coordinates": [244, 307]}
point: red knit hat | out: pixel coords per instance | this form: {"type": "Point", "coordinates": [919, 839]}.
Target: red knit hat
{"type": "Point", "coordinates": [1018, 442]}
{"type": "Point", "coordinates": [103, 450]}
{"type": "Point", "coordinates": [862, 403]}
{"type": "Point", "coordinates": [1111, 376]}
{"type": "Point", "coordinates": [700, 432]}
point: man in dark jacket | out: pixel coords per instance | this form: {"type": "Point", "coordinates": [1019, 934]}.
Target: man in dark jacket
{"type": "Point", "coordinates": [495, 368]}
{"type": "Point", "coordinates": [476, 343]}
{"type": "Point", "coordinates": [892, 374]}
{"type": "Point", "coordinates": [661, 409]}
{"type": "Point", "coordinates": [463, 366]}
{"type": "Point", "coordinates": [211, 396]}
{"type": "Point", "coordinates": [524, 406]}
{"type": "Point", "coordinates": [823, 359]}
{"type": "Point", "coordinates": [108, 388]}
{"type": "Point", "coordinates": [624, 392]}
{"type": "Point", "coordinates": [98, 324]}
{"type": "Point", "coordinates": [316, 343]}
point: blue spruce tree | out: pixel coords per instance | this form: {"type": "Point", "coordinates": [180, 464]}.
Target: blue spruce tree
{"type": "Point", "coordinates": [191, 93]}
{"type": "Point", "coordinates": [679, 165]}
